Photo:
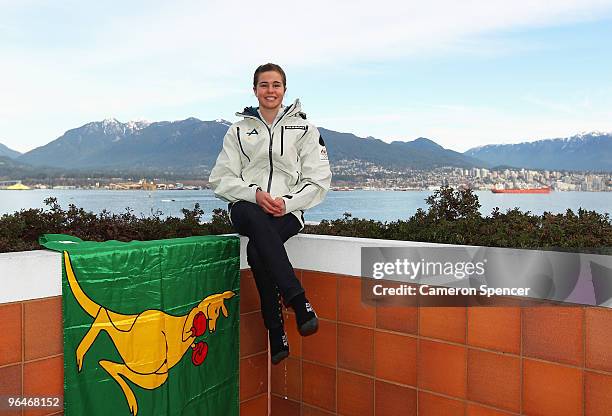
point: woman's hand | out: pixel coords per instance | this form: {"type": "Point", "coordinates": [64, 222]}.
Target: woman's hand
{"type": "Point", "coordinates": [280, 203]}
{"type": "Point", "coordinates": [270, 205]}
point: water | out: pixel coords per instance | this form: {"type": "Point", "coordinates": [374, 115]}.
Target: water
{"type": "Point", "coordinates": [379, 205]}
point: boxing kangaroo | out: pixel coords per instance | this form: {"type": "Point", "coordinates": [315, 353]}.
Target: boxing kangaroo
{"type": "Point", "coordinates": [149, 343]}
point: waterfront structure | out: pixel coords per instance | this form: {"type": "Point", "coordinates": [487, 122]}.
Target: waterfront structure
{"type": "Point", "coordinates": [545, 190]}
{"type": "Point", "coordinates": [18, 187]}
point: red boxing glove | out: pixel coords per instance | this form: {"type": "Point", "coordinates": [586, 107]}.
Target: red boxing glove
{"type": "Point", "coordinates": [199, 324]}
{"type": "Point", "coordinates": [198, 355]}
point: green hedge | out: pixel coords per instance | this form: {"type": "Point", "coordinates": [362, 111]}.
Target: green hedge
{"type": "Point", "coordinates": [452, 217]}
{"type": "Point", "coordinates": [20, 231]}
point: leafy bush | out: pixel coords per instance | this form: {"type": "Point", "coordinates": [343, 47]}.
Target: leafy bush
{"type": "Point", "coordinates": [20, 231]}
{"type": "Point", "coordinates": [452, 218]}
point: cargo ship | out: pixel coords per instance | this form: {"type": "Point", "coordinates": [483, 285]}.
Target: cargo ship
{"type": "Point", "coordinates": [545, 190]}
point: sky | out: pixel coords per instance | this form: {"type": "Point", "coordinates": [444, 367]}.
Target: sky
{"type": "Point", "coordinates": [463, 74]}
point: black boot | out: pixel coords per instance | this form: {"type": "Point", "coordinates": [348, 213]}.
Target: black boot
{"type": "Point", "coordinates": [306, 318]}
{"type": "Point", "coordinates": [279, 346]}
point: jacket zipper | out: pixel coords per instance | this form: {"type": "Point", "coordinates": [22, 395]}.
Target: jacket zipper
{"type": "Point", "coordinates": [282, 138]}
{"type": "Point", "coordinates": [270, 158]}
{"type": "Point", "coordinates": [270, 131]}
{"type": "Point", "coordinates": [271, 134]}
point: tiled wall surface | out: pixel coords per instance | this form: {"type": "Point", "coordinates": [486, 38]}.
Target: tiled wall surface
{"type": "Point", "coordinates": [540, 361]}
{"type": "Point", "coordinates": [477, 361]}
{"type": "Point", "coordinates": [31, 352]}
{"type": "Point", "coordinates": [31, 359]}
{"type": "Point", "coordinates": [253, 351]}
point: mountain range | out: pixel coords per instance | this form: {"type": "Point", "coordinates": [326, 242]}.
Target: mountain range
{"type": "Point", "coordinates": [191, 146]}
{"type": "Point", "coordinates": [585, 151]}
{"type": "Point", "coordinates": [111, 145]}
{"type": "Point", "coordinates": [9, 153]}
{"type": "Point", "coordinates": [11, 168]}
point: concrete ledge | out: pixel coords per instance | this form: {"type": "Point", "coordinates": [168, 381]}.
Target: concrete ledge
{"type": "Point", "coordinates": [28, 275]}
{"type": "Point", "coordinates": [333, 254]}
{"type": "Point", "coordinates": [37, 274]}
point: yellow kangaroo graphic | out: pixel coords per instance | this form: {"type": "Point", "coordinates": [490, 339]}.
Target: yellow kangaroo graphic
{"type": "Point", "coordinates": [150, 343]}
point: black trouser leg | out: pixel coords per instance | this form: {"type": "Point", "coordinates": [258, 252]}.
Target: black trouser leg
{"type": "Point", "coordinates": [269, 294]}
{"type": "Point", "coordinates": [267, 256]}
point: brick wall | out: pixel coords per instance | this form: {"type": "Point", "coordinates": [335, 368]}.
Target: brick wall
{"type": "Point", "coordinates": [477, 361]}
{"type": "Point", "coordinates": [31, 352]}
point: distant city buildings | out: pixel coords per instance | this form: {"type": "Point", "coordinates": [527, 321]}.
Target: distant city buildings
{"type": "Point", "coordinates": [120, 184]}
{"type": "Point", "coordinates": [358, 174]}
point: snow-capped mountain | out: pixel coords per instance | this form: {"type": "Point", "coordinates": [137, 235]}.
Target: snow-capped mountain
{"type": "Point", "coordinates": [193, 145]}
{"type": "Point", "coordinates": [583, 151]}
{"type": "Point", "coordinates": [113, 127]}
{"type": "Point", "coordinates": [135, 144]}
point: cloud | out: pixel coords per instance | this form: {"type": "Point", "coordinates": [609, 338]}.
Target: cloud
{"type": "Point", "coordinates": [78, 60]}
{"type": "Point", "coordinates": [460, 127]}
{"type": "Point", "coordinates": [342, 31]}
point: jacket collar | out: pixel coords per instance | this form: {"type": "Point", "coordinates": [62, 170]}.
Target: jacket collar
{"type": "Point", "coordinates": [293, 109]}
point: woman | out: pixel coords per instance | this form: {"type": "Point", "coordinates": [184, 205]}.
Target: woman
{"type": "Point", "coordinates": [272, 167]}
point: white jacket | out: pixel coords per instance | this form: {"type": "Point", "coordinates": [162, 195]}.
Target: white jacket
{"type": "Point", "coordinates": [288, 159]}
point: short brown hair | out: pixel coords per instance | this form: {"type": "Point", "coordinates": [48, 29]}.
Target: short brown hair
{"type": "Point", "coordinates": [269, 67]}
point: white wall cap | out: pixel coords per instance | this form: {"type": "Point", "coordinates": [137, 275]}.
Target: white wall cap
{"type": "Point", "coordinates": [30, 275]}
{"type": "Point", "coordinates": [37, 274]}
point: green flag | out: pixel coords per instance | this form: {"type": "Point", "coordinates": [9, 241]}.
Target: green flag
{"type": "Point", "coordinates": [150, 327]}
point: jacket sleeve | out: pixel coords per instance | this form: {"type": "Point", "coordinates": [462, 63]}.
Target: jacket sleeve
{"type": "Point", "coordinates": [225, 178]}
{"type": "Point", "coordinates": [315, 174]}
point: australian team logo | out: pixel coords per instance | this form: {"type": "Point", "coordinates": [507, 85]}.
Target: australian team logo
{"type": "Point", "coordinates": [150, 343]}
{"type": "Point", "coordinates": [324, 154]}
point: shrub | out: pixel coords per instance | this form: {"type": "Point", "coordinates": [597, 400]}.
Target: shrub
{"type": "Point", "coordinates": [20, 231]}
{"type": "Point", "coordinates": [452, 218]}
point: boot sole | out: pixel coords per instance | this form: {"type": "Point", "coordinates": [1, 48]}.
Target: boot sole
{"type": "Point", "coordinates": [309, 327]}
{"type": "Point", "coordinates": [279, 356]}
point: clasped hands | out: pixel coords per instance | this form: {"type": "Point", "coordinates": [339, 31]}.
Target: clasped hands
{"type": "Point", "coordinates": [273, 206]}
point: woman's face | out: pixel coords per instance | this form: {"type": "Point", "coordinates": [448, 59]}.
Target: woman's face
{"type": "Point", "coordinates": [270, 90]}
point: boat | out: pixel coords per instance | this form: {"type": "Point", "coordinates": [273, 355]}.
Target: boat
{"type": "Point", "coordinates": [545, 190]}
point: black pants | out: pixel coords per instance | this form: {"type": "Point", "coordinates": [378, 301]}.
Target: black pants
{"type": "Point", "coordinates": [267, 257]}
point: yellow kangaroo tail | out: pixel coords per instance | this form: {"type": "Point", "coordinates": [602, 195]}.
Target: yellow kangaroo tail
{"type": "Point", "coordinates": [84, 301]}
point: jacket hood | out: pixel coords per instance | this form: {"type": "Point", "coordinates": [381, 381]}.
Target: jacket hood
{"type": "Point", "coordinates": [293, 109]}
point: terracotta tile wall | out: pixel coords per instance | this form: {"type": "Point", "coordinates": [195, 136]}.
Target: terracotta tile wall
{"type": "Point", "coordinates": [31, 352]}
{"type": "Point", "coordinates": [375, 361]}
{"type": "Point", "coordinates": [253, 350]}
{"type": "Point", "coordinates": [31, 359]}
{"type": "Point", "coordinates": [478, 361]}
